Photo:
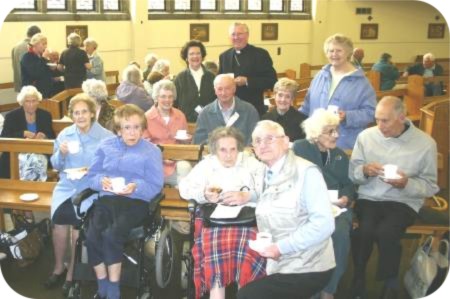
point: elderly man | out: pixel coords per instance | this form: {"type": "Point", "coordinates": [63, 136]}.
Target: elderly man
{"type": "Point", "coordinates": [357, 57]}
{"type": "Point", "coordinates": [428, 68]}
{"type": "Point", "coordinates": [294, 208]}
{"type": "Point", "coordinates": [252, 67]}
{"type": "Point", "coordinates": [227, 110]}
{"type": "Point", "coordinates": [388, 204]}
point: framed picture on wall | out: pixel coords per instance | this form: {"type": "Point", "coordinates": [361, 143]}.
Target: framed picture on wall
{"type": "Point", "coordinates": [199, 32]}
{"type": "Point", "coordinates": [369, 31]}
{"type": "Point", "coordinates": [81, 30]}
{"type": "Point", "coordinates": [269, 31]}
{"type": "Point", "coordinates": [436, 30]}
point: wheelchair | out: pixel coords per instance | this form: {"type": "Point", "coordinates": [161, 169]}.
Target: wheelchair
{"type": "Point", "coordinates": [149, 253]}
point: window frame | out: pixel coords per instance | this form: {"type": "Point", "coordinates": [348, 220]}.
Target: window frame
{"type": "Point", "coordinates": [41, 13]}
{"type": "Point", "coordinates": [220, 14]}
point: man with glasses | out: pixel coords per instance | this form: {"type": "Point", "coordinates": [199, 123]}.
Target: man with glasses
{"type": "Point", "coordinates": [251, 66]}
{"type": "Point", "coordinates": [227, 110]}
{"type": "Point", "coordinates": [388, 203]}
{"type": "Point", "coordinates": [294, 208]}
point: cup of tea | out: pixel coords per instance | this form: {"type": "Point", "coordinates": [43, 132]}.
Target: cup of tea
{"type": "Point", "coordinates": [390, 171]}
{"type": "Point", "coordinates": [264, 239]}
{"type": "Point", "coordinates": [333, 109]}
{"type": "Point", "coordinates": [73, 146]}
{"type": "Point", "coordinates": [118, 184]}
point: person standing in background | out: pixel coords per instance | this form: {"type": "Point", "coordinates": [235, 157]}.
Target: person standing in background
{"type": "Point", "coordinates": [96, 71]}
{"type": "Point", "coordinates": [252, 67]}
{"type": "Point", "coordinates": [17, 53]}
{"type": "Point", "coordinates": [74, 62]}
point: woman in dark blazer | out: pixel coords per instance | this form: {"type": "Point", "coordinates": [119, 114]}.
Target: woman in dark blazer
{"type": "Point", "coordinates": [28, 121]}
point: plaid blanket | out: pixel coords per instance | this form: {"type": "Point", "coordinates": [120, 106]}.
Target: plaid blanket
{"type": "Point", "coordinates": [222, 256]}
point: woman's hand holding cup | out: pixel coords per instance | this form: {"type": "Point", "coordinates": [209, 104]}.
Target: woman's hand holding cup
{"type": "Point", "coordinates": [212, 194]}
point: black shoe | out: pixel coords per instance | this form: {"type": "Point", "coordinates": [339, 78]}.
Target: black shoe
{"type": "Point", "coordinates": [55, 279]}
{"type": "Point", "coordinates": [66, 287]}
{"type": "Point", "coordinates": [97, 296]}
{"type": "Point", "coordinates": [389, 293]}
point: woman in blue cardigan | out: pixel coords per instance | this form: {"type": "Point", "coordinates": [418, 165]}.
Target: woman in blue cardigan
{"type": "Point", "coordinates": [319, 147]}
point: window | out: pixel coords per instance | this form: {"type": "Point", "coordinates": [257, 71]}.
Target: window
{"type": "Point", "coordinates": [67, 10]}
{"type": "Point", "coordinates": [229, 9]}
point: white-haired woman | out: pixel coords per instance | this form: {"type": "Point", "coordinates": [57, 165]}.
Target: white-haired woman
{"type": "Point", "coordinates": [319, 147]}
{"type": "Point", "coordinates": [162, 66]}
{"type": "Point", "coordinates": [96, 70]}
{"type": "Point", "coordinates": [74, 62]}
{"type": "Point", "coordinates": [35, 70]}
{"type": "Point", "coordinates": [131, 90]}
{"type": "Point", "coordinates": [96, 89]}
{"type": "Point", "coordinates": [163, 123]}
{"type": "Point", "coordinates": [27, 121]}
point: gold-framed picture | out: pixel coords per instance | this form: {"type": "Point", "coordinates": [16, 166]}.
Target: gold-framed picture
{"type": "Point", "coordinates": [436, 30]}
{"type": "Point", "coordinates": [199, 32]}
{"type": "Point", "coordinates": [269, 31]}
{"type": "Point", "coordinates": [369, 31]}
{"type": "Point", "coordinates": [81, 30]}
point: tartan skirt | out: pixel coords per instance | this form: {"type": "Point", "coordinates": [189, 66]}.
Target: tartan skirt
{"type": "Point", "coordinates": [222, 256]}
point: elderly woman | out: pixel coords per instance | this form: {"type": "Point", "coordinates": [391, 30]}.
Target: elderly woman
{"type": "Point", "coordinates": [163, 124]}
{"type": "Point", "coordinates": [35, 70]}
{"type": "Point", "coordinates": [96, 71]}
{"type": "Point", "coordinates": [149, 60]}
{"type": "Point", "coordinates": [340, 85]}
{"type": "Point", "coordinates": [73, 152]}
{"type": "Point", "coordinates": [29, 122]}
{"type": "Point", "coordinates": [131, 90]}
{"type": "Point", "coordinates": [228, 175]}
{"type": "Point", "coordinates": [195, 84]}
{"type": "Point", "coordinates": [284, 113]}
{"type": "Point", "coordinates": [162, 66]}
{"type": "Point", "coordinates": [293, 208]}
{"type": "Point", "coordinates": [127, 171]}
{"type": "Point", "coordinates": [320, 148]}
{"type": "Point", "coordinates": [74, 62]}
{"type": "Point", "coordinates": [104, 113]}
{"type": "Point", "coordinates": [151, 80]}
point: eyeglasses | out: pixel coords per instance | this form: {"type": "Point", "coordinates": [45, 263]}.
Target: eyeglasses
{"type": "Point", "coordinates": [129, 128]}
{"type": "Point", "coordinates": [80, 112]}
{"type": "Point", "coordinates": [266, 140]}
{"type": "Point", "coordinates": [331, 132]}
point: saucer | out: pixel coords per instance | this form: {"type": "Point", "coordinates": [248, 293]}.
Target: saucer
{"type": "Point", "coordinates": [75, 173]}
{"type": "Point", "coordinates": [29, 196]}
{"type": "Point", "coordinates": [392, 178]}
{"type": "Point", "coordinates": [185, 137]}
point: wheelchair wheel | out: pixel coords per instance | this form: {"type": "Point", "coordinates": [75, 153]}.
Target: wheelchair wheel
{"type": "Point", "coordinates": [165, 254]}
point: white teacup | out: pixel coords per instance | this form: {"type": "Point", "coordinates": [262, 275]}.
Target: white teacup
{"type": "Point", "coordinates": [73, 146]}
{"type": "Point", "coordinates": [333, 108]}
{"type": "Point", "coordinates": [264, 239]}
{"type": "Point", "coordinates": [390, 171]}
{"type": "Point", "coordinates": [181, 134]}
{"type": "Point", "coordinates": [333, 195]}
{"type": "Point", "coordinates": [118, 184]}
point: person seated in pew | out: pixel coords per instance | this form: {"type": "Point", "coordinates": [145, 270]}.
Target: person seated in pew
{"type": "Point", "coordinates": [284, 113]}
{"type": "Point", "coordinates": [227, 110]}
{"type": "Point", "coordinates": [74, 62]}
{"type": "Point", "coordinates": [428, 68]}
{"type": "Point", "coordinates": [295, 210]}
{"type": "Point", "coordinates": [167, 125]}
{"type": "Point", "coordinates": [395, 166]}
{"type": "Point", "coordinates": [36, 71]}
{"type": "Point", "coordinates": [162, 66]}
{"type": "Point", "coordinates": [151, 80]}
{"type": "Point", "coordinates": [229, 176]}
{"type": "Point", "coordinates": [388, 71]}
{"type": "Point", "coordinates": [104, 113]}
{"type": "Point", "coordinates": [149, 60]}
{"type": "Point", "coordinates": [74, 149]}
{"type": "Point", "coordinates": [127, 171]}
{"type": "Point", "coordinates": [28, 122]}
{"type": "Point", "coordinates": [319, 147]}
{"type": "Point", "coordinates": [131, 90]}
{"type": "Point", "coordinates": [343, 88]}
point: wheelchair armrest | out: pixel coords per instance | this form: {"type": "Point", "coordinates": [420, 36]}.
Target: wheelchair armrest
{"type": "Point", "coordinates": [78, 198]}
{"type": "Point", "coordinates": [154, 202]}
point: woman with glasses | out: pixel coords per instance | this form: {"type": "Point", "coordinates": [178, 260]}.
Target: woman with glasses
{"type": "Point", "coordinates": [229, 176]}
{"type": "Point", "coordinates": [73, 152]}
{"type": "Point", "coordinates": [341, 87]}
{"type": "Point", "coordinates": [320, 148]}
{"type": "Point", "coordinates": [127, 171]}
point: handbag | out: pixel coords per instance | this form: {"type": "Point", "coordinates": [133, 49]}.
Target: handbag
{"type": "Point", "coordinates": [246, 217]}
{"type": "Point", "coordinates": [422, 270]}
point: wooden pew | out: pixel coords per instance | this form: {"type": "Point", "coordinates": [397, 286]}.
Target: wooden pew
{"type": "Point", "coordinates": [112, 76]}
{"type": "Point", "coordinates": [289, 73]}
{"type": "Point", "coordinates": [59, 124]}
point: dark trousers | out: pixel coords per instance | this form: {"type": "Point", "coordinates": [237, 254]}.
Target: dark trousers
{"type": "Point", "coordinates": [112, 220]}
{"type": "Point", "coordinates": [286, 286]}
{"type": "Point", "coordinates": [383, 223]}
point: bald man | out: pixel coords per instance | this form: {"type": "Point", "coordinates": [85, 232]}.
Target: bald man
{"type": "Point", "coordinates": [386, 206]}
{"type": "Point", "coordinates": [357, 57]}
{"type": "Point", "coordinates": [226, 110]}
{"type": "Point", "coordinates": [428, 68]}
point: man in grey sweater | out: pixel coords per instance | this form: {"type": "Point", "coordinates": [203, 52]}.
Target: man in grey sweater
{"type": "Point", "coordinates": [386, 206]}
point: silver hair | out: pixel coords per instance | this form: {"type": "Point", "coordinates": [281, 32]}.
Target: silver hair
{"type": "Point", "coordinates": [132, 74]}
{"type": "Point", "coordinates": [219, 78]}
{"type": "Point", "coordinates": [37, 38]}
{"type": "Point", "coordinates": [28, 91]}
{"type": "Point", "coordinates": [237, 24]}
{"type": "Point", "coordinates": [74, 39]}
{"type": "Point", "coordinates": [90, 41]}
{"type": "Point", "coordinates": [150, 57]}
{"type": "Point", "coordinates": [339, 39]}
{"type": "Point", "coordinates": [160, 64]}
{"type": "Point", "coordinates": [267, 125]}
{"type": "Point", "coordinates": [96, 89]}
{"type": "Point", "coordinates": [313, 126]}
{"type": "Point", "coordinates": [397, 104]}
{"type": "Point", "coordinates": [166, 85]}
{"type": "Point", "coordinates": [428, 56]}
